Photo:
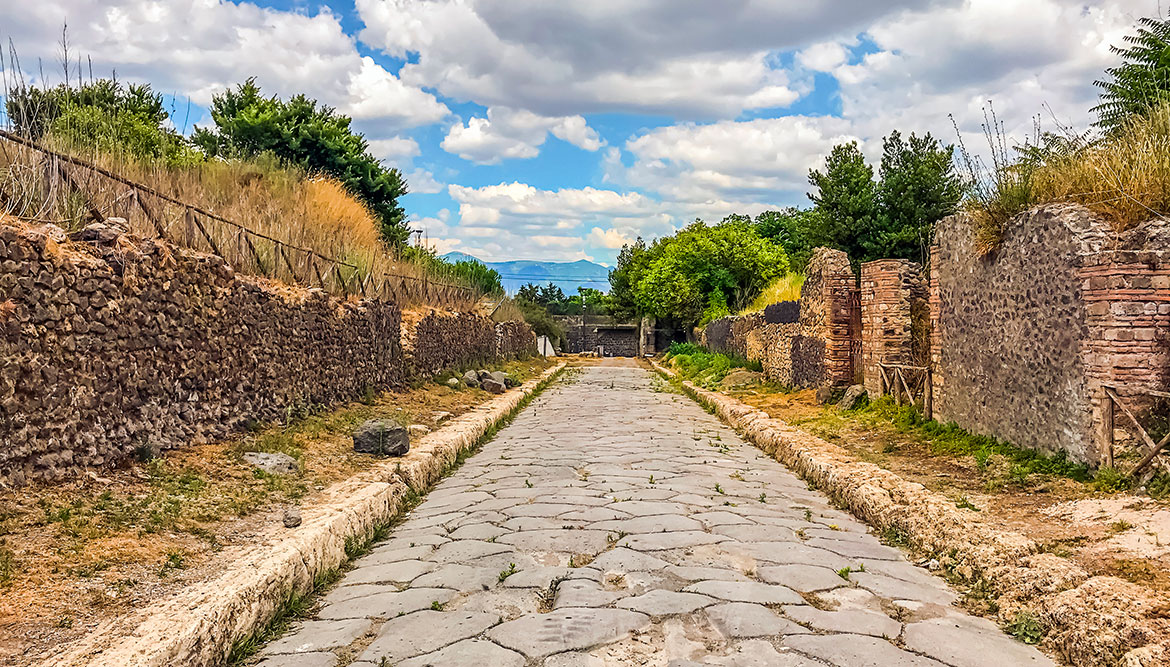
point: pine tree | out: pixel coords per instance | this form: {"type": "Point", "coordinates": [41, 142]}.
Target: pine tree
{"type": "Point", "coordinates": [1142, 80]}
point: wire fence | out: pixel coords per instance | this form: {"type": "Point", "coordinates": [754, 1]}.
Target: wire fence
{"type": "Point", "coordinates": [57, 181]}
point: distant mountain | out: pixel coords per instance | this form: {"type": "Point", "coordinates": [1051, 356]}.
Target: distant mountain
{"type": "Point", "coordinates": [566, 275]}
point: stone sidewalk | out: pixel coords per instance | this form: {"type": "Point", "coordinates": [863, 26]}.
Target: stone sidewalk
{"type": "Point", "coordinates": [616, 523]}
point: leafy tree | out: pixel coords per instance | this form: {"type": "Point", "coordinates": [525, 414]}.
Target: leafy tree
{"type": "Point", "coordinates": [846, 203]}
{"type": "Point", "coordinates": [478, 275]}
{"type": "Point", "coordinates": [544, 295]}
{"type": "Point", "coordinates": [918, 187]}
{"type": "Point", "coordinates": [103, 115]}
{"type": "Point", "coordinates": [632, 262]}
{"type": "Point", "coordinates": [311, 135]}
{"type": "Point", "coordinates": [892, 216]}
{"type": "Point", "coordinates": [1142, 80]}
{"type": "Point", "coordinates": [698, 274]}
{"type": "Point", "coordinates": [790, 228]}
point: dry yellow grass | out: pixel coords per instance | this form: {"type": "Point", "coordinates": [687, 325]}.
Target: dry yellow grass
{"type": "Point", "coordinates": [784, 288]}
{"type": "Point", "coordinates": [267, 197]}
{"type": "Point", "coordinates": [1124, 177]}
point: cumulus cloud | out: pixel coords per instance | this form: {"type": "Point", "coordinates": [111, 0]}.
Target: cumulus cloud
{"type": "Point", "coordinates": [823, 57]}
{"type": "Point", "coordinates": [394, 149]}
{"type": "Point", "coordinates": [557, 59]}
{"type": "Point", "coordinates": [199, 48]}
{"type": "Point", "coordinates": [512, 133]}
{"type": "Point", "coordinates": [756, 160]}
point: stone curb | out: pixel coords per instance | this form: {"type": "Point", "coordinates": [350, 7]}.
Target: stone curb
{"type": "Point", "coordinates": [1090, 621]}
{"type": "Point", "coordinates": [197, 626]}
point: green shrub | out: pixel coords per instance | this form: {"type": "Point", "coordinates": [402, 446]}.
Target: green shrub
{"type": "Point", "coordinates": [703, 367]}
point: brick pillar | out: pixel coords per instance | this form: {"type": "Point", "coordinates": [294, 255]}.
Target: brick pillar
{"type": "Point", "coordinates": [893, 297]}
{"type": "Point", "coordinates": [1127, 303]}
{"type": "Point", "coordinates": [937, 369]}
{"type": "Point", "coordinates": [827, 304]}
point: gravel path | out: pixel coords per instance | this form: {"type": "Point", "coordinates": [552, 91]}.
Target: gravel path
{"type": "Point", "coordinates": [615, 523]}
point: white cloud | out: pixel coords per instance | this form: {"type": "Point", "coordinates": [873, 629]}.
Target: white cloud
{"type": "Point", "coordinates": [394, 149]}
{"type": "Point", "coordinates": [608, 238]}
{"type": "Point", "coordinates": [823, 57]}
{"type": "Point", "coordinates": [660, 56]}
{"type": "Point", "coordinates": [421, 181]}
{"type": "Point", "coordinates": [511, 133]}
{"type": "Point", "coordinates": [199, 48]}
{"type": "Point", "coordinates": [758, 160]}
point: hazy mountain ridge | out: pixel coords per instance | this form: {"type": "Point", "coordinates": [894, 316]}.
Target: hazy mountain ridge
{"type": "Point", "coordinates": [566, 275]}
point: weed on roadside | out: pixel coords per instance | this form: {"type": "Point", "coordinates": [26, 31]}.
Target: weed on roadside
{"type": "Point", "coordinates": [1026, 628]}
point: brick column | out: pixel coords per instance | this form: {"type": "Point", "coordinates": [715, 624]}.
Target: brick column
{"type": "Point", "coordinates": [893, 293]}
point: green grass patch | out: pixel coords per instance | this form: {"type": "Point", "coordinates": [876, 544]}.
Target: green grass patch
{"type": "Point", "coordinates": [949, 439]}
{"type": "Point", "coordinates": [704, 367]}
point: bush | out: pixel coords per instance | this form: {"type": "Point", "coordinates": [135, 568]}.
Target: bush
{"type": "Point", "coordinates": [703, 367]}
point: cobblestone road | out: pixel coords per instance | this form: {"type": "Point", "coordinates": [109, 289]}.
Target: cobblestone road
{"type": "Point", "coordinates": [614, 523]}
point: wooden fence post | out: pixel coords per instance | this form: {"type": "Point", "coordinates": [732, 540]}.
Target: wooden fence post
{"type": "Point", "coordinates": [1106, 429]}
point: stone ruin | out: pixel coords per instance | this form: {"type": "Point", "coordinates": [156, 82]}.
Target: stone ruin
{"type": "Point", "coordinates": [120, 345]}
{"type": "Point", "coordinates": [1021, 343]}
{"type": "Point", "coordinates": [1025, 339]}
{"type": "Point", "coordinates": [801, 344]}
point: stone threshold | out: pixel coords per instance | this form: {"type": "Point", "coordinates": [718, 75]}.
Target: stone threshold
{"type": "Point", "coordinates": [1090, 621]}
{"type": "Point", "coordinates": [198, 626]}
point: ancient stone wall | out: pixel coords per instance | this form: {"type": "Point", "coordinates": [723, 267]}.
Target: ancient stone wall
{"type": "Point", "coordinates": [894, 317]}
{"type": "Point", "coordinates": [1024, 339]}
{"type": "Point", "coordinates": [106, 350]}
{"type": "Point", "coordinates": [514, 340]}
{"type": "Point", "coordinates": [618, 341]}
{"type": "Point", "coordinates": [828, 303]}
{"type": "Point", "coordinates": [442, 340]}
{"type": "Point", "coordinates": [809, 343]}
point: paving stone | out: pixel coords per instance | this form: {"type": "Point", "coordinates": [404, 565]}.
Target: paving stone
{"type": "Point", "coordinates": [423, 632]}
{"type": "Point", "coordinates": [649, 524]}
{"type": "Point", "coordinates": [694, 573]}
{"type": "Point", "coordinates": [541, 577]}
{"type": "Point", "coordinates": [465, 550]}
{"type": "Point", "coordinates": [559, 482]}
{"type": "Point", "coordinates": [401, 572]}
{"type": "Point", "coordinates": [956, 643]}
{"type": "Point", "coordinates": [802, 578]}
{"type": "Point", "coordinates": [316, 636]}
{"type": "Point", "coordinates": [584, 593]}
{"type": "Point", "coordinates": [857, 550]}
{"type": "Point", "coordinates": [477, 531]}
{"type": "Point", "coordinates": [744, 619]}
{"type": "Point", "coordinates": [662, 603]}
{"type": "Point", "coordinates": [387, 605]}
{"type": "Point", "coordinates": [540, 635]}
{"type": "Point", "coordinates": [300, 660]}
{"type": "Point", "coordinates": [628, 560]}
{"type": "Point", "coordinates": [857, 651]}
{"type": "Point", "coordinates": [663, 541]}
{"type": "Point", "coordinates": [468, 653]}
{"type": "Point", "coordinates": [746, 591]}
{"type": "Point", "coordinates": [459, 577]}
{"type": "Point", "coordinates": [856, 621]}
{"type": "Point", "coordinates": [897, 589]}
{"type": "Point", "coordinates": [752, 653]}
{"type": "Point", "coordinates": [570, 541]}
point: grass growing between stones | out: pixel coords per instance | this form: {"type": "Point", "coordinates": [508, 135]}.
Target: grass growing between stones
{"type": "Point", "coordinates": [1069, 510]}
{"type": "Point", "coordinates": [75, 552]}
{"type": "Point", "coordinates": [300, 606]}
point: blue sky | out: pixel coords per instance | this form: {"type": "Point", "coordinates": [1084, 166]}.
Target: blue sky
{"type": "Point", "coordinates": [530, 129]}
